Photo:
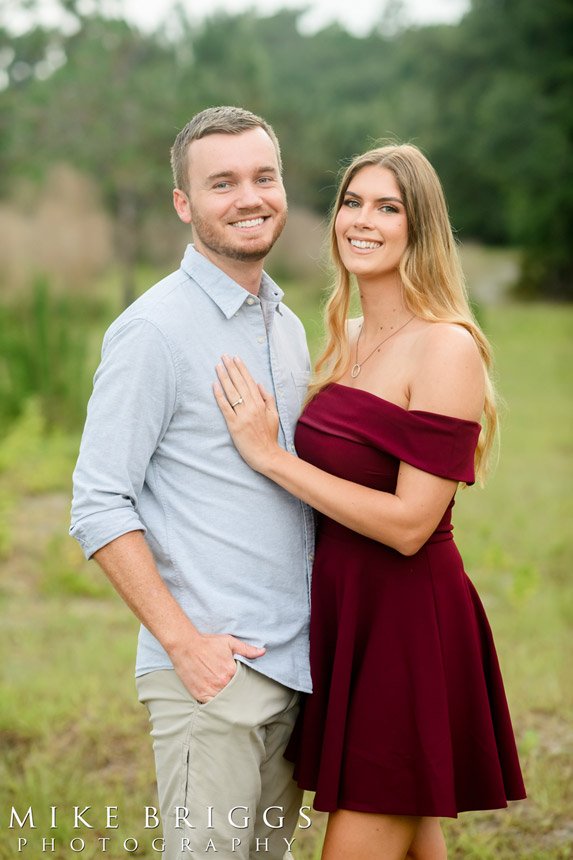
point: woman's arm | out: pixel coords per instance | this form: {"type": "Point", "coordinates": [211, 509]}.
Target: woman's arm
{"type": "Point", "coordinates": [450, 381]}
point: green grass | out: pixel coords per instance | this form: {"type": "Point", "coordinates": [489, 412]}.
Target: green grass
{"type": "Point", "coordinates": [71, 731]}
{"type": "Point", "coordinates": [515, 536]}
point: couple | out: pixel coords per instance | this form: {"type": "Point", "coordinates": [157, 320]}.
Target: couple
{"type": "Point", "coordinates": [211, 543]}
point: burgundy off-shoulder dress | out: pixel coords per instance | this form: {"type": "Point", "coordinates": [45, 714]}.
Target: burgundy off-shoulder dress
{"type": "Point", "coordinates": [408, 715]}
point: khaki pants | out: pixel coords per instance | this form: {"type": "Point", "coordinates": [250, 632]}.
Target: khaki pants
{"type": "Point", "coordinates": [223, 783]}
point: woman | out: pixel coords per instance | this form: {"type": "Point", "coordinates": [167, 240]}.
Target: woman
{"type": "Point", "coordinates": [408, 719]}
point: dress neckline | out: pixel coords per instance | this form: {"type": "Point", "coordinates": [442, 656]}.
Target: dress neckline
{"type": "Point", "coordinates": [402, 408]}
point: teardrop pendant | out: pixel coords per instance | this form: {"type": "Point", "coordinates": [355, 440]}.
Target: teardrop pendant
{"type": "Point", "coordinates": [355, 370]}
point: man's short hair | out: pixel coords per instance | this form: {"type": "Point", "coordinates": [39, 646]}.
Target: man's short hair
{"type": "Point", "coordinates": [214, 120]}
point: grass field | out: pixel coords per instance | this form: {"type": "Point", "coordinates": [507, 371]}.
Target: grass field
{"type": "Point", "coordinates": [72, 733]}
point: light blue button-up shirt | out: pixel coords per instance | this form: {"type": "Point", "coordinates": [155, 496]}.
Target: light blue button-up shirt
{"type": "Point", "coordinates": [234, 548]}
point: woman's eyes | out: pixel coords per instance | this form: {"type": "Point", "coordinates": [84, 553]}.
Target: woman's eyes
{"type": "Point", "coordinates": [351, 203]}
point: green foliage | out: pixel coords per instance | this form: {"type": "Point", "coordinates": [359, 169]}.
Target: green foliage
{"type": "Point", "coordinates": [516, 99]}
{"type": "Point", "coordinates": [44, 355]}
{"type": "Point", "coordinates": [34, 460]}
{"type": "Point", "coordinates": [6, 506]}
{"type": "Point", "coordinates": [232, 64]}
{"type": "Point", "coordinates": [66, 574]}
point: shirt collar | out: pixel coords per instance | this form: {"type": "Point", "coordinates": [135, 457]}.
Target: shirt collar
{"type": "Point", "coordinates": [223, 290]}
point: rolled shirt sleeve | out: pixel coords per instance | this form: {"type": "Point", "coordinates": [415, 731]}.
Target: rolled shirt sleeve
{"type": "Point", "coordinates": [133, 400]}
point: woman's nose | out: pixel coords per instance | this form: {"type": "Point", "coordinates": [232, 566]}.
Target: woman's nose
{"type": "Point", "coordinates": [363, 218]}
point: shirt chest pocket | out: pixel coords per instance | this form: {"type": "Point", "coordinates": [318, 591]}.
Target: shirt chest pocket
{"type": "Point", "coordinates": [300, 378]}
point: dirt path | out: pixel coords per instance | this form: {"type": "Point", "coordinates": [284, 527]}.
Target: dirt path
{"type": "Point", "coordinates": [490, 272]}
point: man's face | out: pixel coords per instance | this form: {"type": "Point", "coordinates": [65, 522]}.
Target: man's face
{"type": "Point", "coordinates": [236, 202]}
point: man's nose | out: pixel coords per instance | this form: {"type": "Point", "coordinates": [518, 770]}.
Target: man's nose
{"type": "Point", "coordinates": [249, 196]}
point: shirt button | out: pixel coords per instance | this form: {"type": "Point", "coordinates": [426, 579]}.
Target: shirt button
{"type": "Point", "coordinates": [292, 448]}
{"type": "Point", "coordinates": [261, 339]}
{"type": "Point", "coordinates": [250, 300]}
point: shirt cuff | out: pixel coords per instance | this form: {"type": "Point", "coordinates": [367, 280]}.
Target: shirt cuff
{"type": "Point", "coordinates": [96, 530]}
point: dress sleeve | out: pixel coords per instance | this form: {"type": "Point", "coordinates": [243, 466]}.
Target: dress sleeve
{"type": "Point", "coordinates": [440, 444]}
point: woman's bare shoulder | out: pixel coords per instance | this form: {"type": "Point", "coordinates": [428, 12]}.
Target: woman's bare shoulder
{"type": "Point", "coordinates": [448, 338]}
{"type": "Point", "coordinates": [449, 372]}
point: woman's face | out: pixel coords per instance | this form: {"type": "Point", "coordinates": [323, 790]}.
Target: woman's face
{"type": "Point", "coordinates": [371, 225]}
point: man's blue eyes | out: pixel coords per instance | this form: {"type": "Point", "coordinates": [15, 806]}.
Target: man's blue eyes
{"type": "Point", "coordinates": [263, 180]}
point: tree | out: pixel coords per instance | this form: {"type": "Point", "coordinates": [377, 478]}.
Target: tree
{"type": "Point", "coordinates": [509, 128]}
{"type": "Point", "coordinates": [108, 109]}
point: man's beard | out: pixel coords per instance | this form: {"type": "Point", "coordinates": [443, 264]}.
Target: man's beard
{"type": "Point", "coordinates": [209, 238]}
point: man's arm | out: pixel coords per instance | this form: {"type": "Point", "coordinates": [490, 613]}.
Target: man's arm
{"type": "Point", "coordinates": [204, 662]}
{"type": "Point", "coordinates": [134, 398]}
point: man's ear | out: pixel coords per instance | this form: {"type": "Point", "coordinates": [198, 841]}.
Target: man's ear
{"type": "Point", "coordinates": [182, 206]}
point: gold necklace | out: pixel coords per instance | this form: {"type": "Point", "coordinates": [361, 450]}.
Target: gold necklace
{"type": "Point", "coordinates": [357, 366]}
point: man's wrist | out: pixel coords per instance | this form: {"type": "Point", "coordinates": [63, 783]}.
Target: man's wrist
{"type": "Point", "coordinates": [180, 639]}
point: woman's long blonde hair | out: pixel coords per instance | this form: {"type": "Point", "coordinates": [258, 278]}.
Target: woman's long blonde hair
{"type": "Point", "coordinates": [430, 270]}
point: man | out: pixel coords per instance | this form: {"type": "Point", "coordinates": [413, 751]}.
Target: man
{"type": "Point", "coordinates": [213, 558]}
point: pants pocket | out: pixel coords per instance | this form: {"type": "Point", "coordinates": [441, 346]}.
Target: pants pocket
{"type": "Point", "coordinates": [222, 694]}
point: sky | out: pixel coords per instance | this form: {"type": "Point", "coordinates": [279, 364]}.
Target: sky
{"type": "Point", "coordinates": [358, 16]}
